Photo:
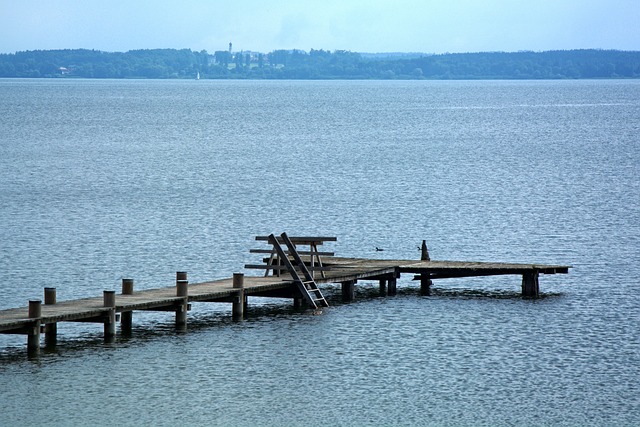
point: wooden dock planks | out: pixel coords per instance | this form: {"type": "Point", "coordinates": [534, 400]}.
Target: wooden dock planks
{"type": "Point", "coordinates": [341, 269]}
{"type": "Point", "coordinates": [346, 271]}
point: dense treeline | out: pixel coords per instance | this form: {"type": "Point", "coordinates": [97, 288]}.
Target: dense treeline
{"type": "Point", "coordinates": [320, 64]}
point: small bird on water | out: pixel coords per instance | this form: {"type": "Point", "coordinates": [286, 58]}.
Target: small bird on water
{"type": "Point", "coordinates": [379, 249]}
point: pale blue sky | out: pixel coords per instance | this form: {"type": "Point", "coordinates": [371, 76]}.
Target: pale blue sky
{"type": "Point", "coordinates": [431, 26]}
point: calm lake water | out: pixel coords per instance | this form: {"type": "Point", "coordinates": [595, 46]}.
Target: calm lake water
{"type": "Point", "coordinates": [101, 180]}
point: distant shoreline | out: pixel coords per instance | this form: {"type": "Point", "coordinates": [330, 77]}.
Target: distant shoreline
{"type": "Point", "coordinates": [321, 65]}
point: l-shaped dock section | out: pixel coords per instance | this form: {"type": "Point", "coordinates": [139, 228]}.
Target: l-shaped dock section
{"type": "Point", "coordinates": [292, 272]}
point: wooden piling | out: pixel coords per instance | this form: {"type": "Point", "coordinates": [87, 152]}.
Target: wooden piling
{"type": "Point", "coordinates": [109, 300]}
{"type": "Point", "coordinates": [391, 284]}
{"type": "Point", "coordinates": [50, 329]}
{"type": "Point", "coordinates": [182, 290]}
{"type": "Point", "coordinates": [237, 307]}
{"type": "Point", "coordinates": [348, 290]}
{"type": "Point", "coordinates": [181, 275]}
{"type": "Point", "coordinates": [530, 284]}
{"type": "Point", "coordinates": [127, 286]}
{"type": "Point", "coordinates": [425, 284]}
{"type": "Point", "coordinates": [33, 334]}
{"type": "Point", "coordinates": [126, 317]}
{"type": "Point", "coordinates": [425, 279]}
{"type": "Point", "coordinates": [383, 287]}
{"type": "Point", "coordinates": [424, 252]}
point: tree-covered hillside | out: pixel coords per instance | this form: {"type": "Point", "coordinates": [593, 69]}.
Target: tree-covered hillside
{"type": "Point", "coordinates": [319, 64]}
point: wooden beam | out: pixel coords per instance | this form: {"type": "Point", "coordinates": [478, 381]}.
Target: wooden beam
{"type": "Point", "coordinates": [282, 267]}
{"type": "Point", "coordinates": [290, 292]}
{"type": "Point", "coordinates": [301, 240]}
{"type": "Point", "coordinates": [269, 251]}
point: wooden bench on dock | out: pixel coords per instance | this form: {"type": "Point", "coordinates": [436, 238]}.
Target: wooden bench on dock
{"type": "Point", "coordinates": [301, 265]}
{"type": "Point", "coordinates": [313, 257]}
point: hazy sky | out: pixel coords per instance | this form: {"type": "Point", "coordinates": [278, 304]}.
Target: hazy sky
{"type": "Point", "coordinates": [431, 26]}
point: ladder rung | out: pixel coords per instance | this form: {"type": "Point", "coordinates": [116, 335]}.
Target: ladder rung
{"type": "Point", "coordinates": [306, 285]}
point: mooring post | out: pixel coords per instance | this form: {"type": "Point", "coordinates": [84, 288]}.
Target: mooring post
{"type": "Point", "coordinates": [182, 290]}
{"type": "Point", "coordinates": [425, 252]}
{"type": "Point", "coordinates": [237, 307]}
{"type": "Point", "coordinates": [33, 334]}
{"type": "Point", "coordinates": [530, 284]}
{"type": "Point", "coordinates": [126, 317]}
{"type": "Point", "coordinates": [392, 282]}
{"type": "Point", "coordinates": [109, 300]}
{"type": "Point", "coordinates": [383, 287]}
{"type": "Point", "coordinates": [50, 329]}
{"type": "Point", "coordinates": [425, 280]}
{"type": "Point", "coordinates": [348, 290]}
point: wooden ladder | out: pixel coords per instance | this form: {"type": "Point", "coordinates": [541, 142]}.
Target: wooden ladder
{"type": "Point", "coordinates": [308, 287]}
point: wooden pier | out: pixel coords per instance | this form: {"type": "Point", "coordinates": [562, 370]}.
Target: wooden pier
{"type": "Point", "coordinates": [289, 273]}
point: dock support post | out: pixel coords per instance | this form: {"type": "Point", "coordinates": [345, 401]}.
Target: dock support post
{"type": "Point", "coordinates": [237, 307]}
{"type": "Point", "coordinates": [425, 284]}
{"type": "Point", "coordinates": [392, 286]}
{"type": "Point", "coordinates": [383, 287]}
{"type": "Point", "coordinates": [182, 290]}
{"type": "Point", "coordinates": [109, 300]}
{"type": "Point", "coordinates": [33, 335]}
{"type": "Point", "coordinates": [348, 290]}
{"type": "Point", "coordinates": [126, 317]}
{"type": "Point", "coordinates": [530, 284]}
{"type": "Point", "coordinates": [50, 329]}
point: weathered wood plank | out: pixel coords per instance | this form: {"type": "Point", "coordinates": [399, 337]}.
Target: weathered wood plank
{"type": "Point", "coordinates": [270, 251]}
{"type": "Point", "coordinates": [302, 240]}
